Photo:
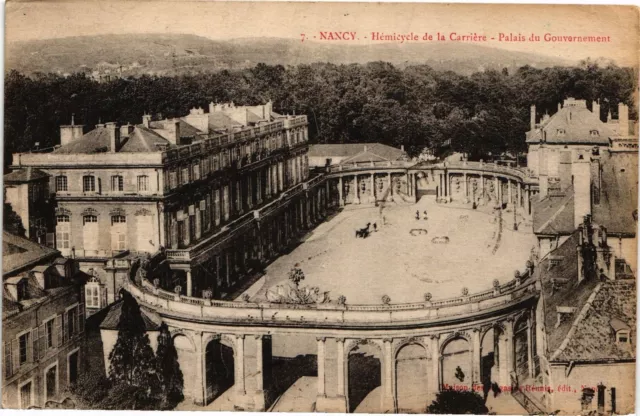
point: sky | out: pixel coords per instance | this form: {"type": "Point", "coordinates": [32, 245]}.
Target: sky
{"type": "Point", "coordinates": [28, 20]}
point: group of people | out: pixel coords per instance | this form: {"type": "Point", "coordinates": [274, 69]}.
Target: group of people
{"type": "Point", "coordinates": [424, 213]}
{"type": "Point", "coordinates": [364, 232]}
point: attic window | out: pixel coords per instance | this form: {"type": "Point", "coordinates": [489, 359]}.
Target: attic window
{"type": "Point", "coordinates": [594, 133]}
{"type": "Point", "coordinates": [561, 132]}
{"type": "Point", "coordinates": [22, 290]}
{"type": "Point", "coordinates": [623, 337]}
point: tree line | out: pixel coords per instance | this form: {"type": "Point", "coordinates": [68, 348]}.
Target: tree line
{"type": "Point", "coordinates": [416, 106]}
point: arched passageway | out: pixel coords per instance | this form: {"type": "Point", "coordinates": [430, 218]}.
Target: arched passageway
{"type": "Point", "coordinates": [490, 358]}
{"type": "Point", "coordinates": [456, 367]}
{"type": "Point", "coordinates": [219, 365]}
{"type": "Point", "coordinates": [188, 363]}
{"type": "Point", "coordinates": [364, 376]}
{"type": "Point", "coordinates": [412, 366]}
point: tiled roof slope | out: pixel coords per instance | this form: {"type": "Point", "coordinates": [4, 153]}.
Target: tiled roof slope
{"type": "Point", "coordinates": [186, 129]}
{"type": "Point", "coordinates": [18, 252]}
{"type": "Point", "coordinates": [24, 175]}
{"type": "Point", "coordinates": [618, 196]}
{"type": "Point", "coordinates": [594, 337]}
{"type": "Point", "coordinates": [577, 123]}
{"type": "Point", "coordinates": [151, 320]}
{"type": "Point", "coordinates": [554, 214]}
{"type": "Point", "coordinates": [98, 140]}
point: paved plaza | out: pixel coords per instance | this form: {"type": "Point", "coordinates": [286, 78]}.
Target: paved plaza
{"type": "Point", "coordinates": [401, 259]}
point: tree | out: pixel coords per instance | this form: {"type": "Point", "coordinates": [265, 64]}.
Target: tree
{"type": "Point", "coordinates": [132, 359]}
{"type": "Point", "coordinates": [458, 402]}
{"type": "Point", "coordinates": [168, 367]}
{"type": "Point", "coordinates": [296, 275]}
{"type": "Point", "coordinates": [12, 221]}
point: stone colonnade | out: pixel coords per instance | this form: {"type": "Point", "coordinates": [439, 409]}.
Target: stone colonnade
{"type": "Point", "coordinates": [333, 382]}
{"type": "Point", "coordinates": [371, 187]}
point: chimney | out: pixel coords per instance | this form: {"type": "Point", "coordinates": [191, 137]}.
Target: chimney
{"type": "Point", "coordinates": [268, 109]}
{"type": "Point", "coordinates": [559, 107]}
{"type": "Point", "coordinates": [623, 119]}
{"type": "Point", "coordinates": [402, 147]}
{"type": "Point", "coordinates": [71, 132]}
{"type": "Point", "coordinates": [581, 173]}
{"type": "Point", "coordinates": [114, 137]}
{"type": "Point", "coordinates": [596, 109]}
{"type": "Point", "coordinates": [543, 171]}
{"type": "Point", "coordinates": [564, 169]}
{"type": "Point", "coordinates": [212, 107]}
{"type": "Point", "coordinates": [173, 127]}
{"type": "Point", "coordinates": [146, 120]}
{"type": "Point", "coordinates": [533, 117]}
{"type": "Point", "coordinates": [125, 131]}
{"type": "Point", "coordinates": [365, 147]}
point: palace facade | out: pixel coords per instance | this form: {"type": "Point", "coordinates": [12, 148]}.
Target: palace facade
{"type": "Point", "coordinates": [191, 186]}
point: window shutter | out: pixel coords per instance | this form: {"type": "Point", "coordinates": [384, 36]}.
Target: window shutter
{"type": "Point", "coordinates": [8, 365]}
{"type": "Point", "coordinates": [65, 325]}
{"type": "Point", "coordinates": [58, 331]}
{"type": "Point", "coordinates": [42, 338]}
{"type": "Point", "coordinates": [81, 318]}
{"type": "Point", "coordinates": [33, 342]}
{"type": "Point", "coordinates": [15, 353]}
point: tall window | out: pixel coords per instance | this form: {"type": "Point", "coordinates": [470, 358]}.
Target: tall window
{"type": "Point", "coordinates": [71, 322]}
{"type": "Point", "coordinates": [89, 219]}
{"type": "Point", "coordinates": [52, 382]}
{"type": "Point", "coordinates": [118, 232]}
{"type": "Point", "coordinates": [90, 233]}
{"type": "Point", "coordinates": [143, 183]}
{"type": "Point", "coordinates": [48, 327]}
{"type": "Point", "coordinates": [25, 395]}
{"type": "Point", "coordinates": [184, 177]}
{"type": "Point", "coordinates": [173, 180]}
{"type": "Point", "coordinates": [196, 171]}
{"type": "Point", "coordinates": [73, 367]}
{"type": "Point", "coordinates": [117, 183]}
{"type": "Point", "coordinates": [61, 183]}
{"type": "Point", "coordinates": [92, 295]}
{"type": "Point", "coordinates": [24, 348]}
{"type": "Point", "coordinates": [89, 183]}
{"type": "Point", "coordinates": [63, 231]}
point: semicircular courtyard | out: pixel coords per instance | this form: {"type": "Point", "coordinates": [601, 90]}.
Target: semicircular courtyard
{"type": "Point", "coordinates": [410, 251]}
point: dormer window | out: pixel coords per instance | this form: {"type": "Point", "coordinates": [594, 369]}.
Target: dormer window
{"type": "Point", "coordinates": [623, 337]}
{"type": "Point", "coordinates": [594, 133]}
{"type": "Point", "coordinates": [23, 294]}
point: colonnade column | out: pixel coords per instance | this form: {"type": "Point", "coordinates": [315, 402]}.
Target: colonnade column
{"type": "Point", "coordinates": [447, 186]}
{"type": "Point", "coordinates": [530, 352]}
{"type": "Point", "coordinates": [390, 193]}
{"type": "Point", "coordinates": [434, 383]}
{"type": "Point", "coordinates": [340, 367]}
{"type": "Point", "coordinates": [509, 195]}
{"type": "Point", "coordinates": [356, 198]}
{"type": "Point", "coordinates": [189, 284]}
{"type": "Point", "coordinates": [259, 403]}
{"type": "Point", "coordinates": [466, 190]}
{"type": "Point", "coordinates": [387, 383]}
{"type": "Point", "coordinates": [373, 188]}
{"type": "Point", "coordinates": [340, 189]}
{"type": "Point", "coordinates": [527, 201]}
{"type": "Point", "coordinates": [239, 367]}
{"type": "Point", "coordinates": [477, 357]}
{"type": "Point", "coordinates": [440, 190]}
{"type": "Point", "coordinates": [200, 382]}
{"type": "Point", "coordinates": [481, 185]}
{"type": "Point", "coordinates": [496, 186]}
{"type": "Point", "coordinates": [321, 362]}
{"type": "Point", "coordinates": [519, 195]}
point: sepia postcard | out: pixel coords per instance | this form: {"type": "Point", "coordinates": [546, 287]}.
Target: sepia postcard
{"type": "Point", "coordinates": [320, 207]}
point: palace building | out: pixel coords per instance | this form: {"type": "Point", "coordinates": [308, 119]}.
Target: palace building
{"type": "Point", "coordinates": [193, 187]}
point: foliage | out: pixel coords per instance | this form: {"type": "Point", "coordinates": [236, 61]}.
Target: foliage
{"type": "Point", "coordinates": [132, 359]}
{"type": "Point", "coordinates": [90, 390]}
{"type": "Point", "coordinates": [458, 402]}
{"type": "Point", "coordinates": [12, 222]}
{"type": "Point", "coordinates": [168, 367]}
{"type": "Point", "coordinates": [296, 275]}
{"type": "Point", "coordinates": [486, 113]}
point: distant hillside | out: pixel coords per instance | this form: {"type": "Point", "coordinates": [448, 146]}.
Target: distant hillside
{"type": "Point", "coordinates": [178, 54]}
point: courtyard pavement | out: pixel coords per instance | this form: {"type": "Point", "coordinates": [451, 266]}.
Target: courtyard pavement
{"type": "Point", "coordinates": [399, 259]}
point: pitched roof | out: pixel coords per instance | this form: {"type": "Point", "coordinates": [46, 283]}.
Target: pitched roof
{"type": "Point", "coordinates": [24, 175]}
{"type": "Point", "coordinates": [98, 140]}
{"type": "Point", "coordinates": [554, 214]}
{"type": "Point", "coordinates": [221, 121]}
{"type": "Point", "coordinates": [572, 124]}
{"type": "Point", "coordinates": [186, 129]}
{"type": "Point", "coordinates": [18, 252]}
{"type": "Point", "coordinates": [594, 337]}
{"type": "Point", "coordinates": [151, 320]}
{"type": "Point", "coordinates": [618, 193]}
{"type": "Point", "coordinates": [352, 149]}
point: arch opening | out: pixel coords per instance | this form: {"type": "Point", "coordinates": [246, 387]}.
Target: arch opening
{"type": "Point", "coordinates": [364, 378]}
{"type": "Point", "coordinates": [456, 370]}
{"type": "Point", "coordinates": [412, 366]}
{"type": "Point", "coordinates": [219, 369]}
